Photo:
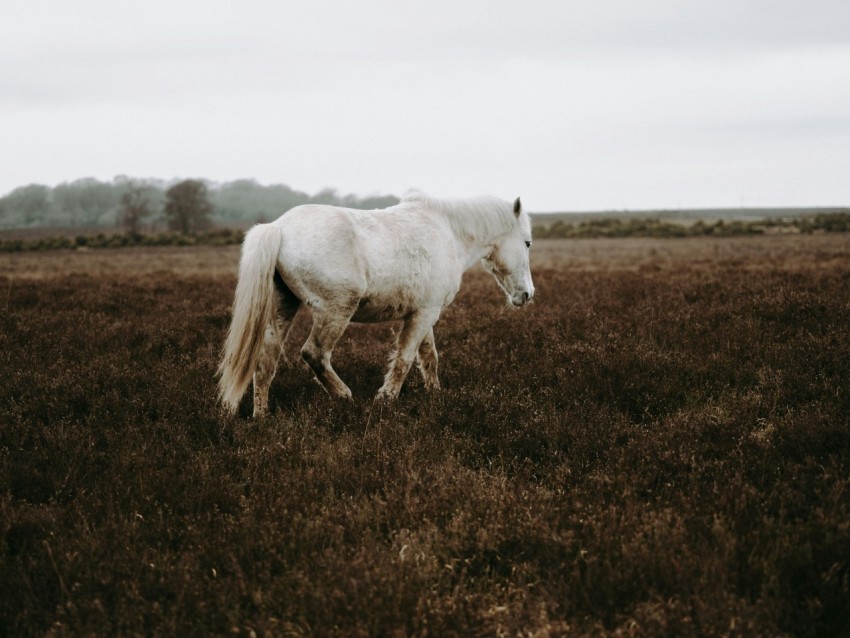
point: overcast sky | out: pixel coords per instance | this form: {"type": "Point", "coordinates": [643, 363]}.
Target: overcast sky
{"type": "Point", "coordinates": [573, 104]}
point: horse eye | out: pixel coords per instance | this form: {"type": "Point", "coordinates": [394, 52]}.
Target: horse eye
{"type": "Point", "coordinates": [528, 244]}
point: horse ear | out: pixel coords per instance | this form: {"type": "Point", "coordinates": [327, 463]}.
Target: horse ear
{"type": "Point", "coordinates": [517, 207]}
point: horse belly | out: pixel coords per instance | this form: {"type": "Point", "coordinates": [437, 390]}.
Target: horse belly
{"type": "Point", "coordinates": [375, 309]}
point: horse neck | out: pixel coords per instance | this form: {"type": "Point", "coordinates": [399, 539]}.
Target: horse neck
{"type": "Point", "coordinates": [475, 248]}
{"type": "Point", "coordinates": [476, 234]}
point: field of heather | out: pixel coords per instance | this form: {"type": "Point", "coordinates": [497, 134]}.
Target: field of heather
{"type": "Point", "coordinates": [658, 445]}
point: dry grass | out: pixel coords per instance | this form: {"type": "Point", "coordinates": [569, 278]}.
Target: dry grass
{"type": "Point", "coordinates": [763, 252]}
{"type": "Point", "coordinates": [658, 446]}
{"type": "Point", "coordinates": [165, 261]}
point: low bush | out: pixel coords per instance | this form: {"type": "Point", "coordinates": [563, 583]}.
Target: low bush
{"type": "Point", "coordinates": [215, 237]}
{"type": "Point", "coordinates": [616, 227]}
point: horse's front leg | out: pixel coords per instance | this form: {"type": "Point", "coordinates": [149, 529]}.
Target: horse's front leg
{"type": "Point", "coordinates": [415, 329]}
{"type": "Point", "coordinates": [427, 359]}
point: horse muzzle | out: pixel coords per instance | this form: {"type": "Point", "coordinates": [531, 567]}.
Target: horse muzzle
{"type": "Point", "coordinates": [520, 298]}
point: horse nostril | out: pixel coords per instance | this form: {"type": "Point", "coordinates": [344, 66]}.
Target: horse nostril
{"type": "Point", "coordinates": [524, 297]}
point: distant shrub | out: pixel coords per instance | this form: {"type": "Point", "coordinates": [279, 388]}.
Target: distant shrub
{"type": "Point", "coordinates": [649, 227]}
{"type": "Point", "coordinates": [215, 237]}
{"type": "Point", "coordinates": [827, 222]}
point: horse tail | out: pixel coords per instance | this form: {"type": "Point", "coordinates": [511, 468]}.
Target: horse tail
{"type": "Point", "coordinates": [253, 311]}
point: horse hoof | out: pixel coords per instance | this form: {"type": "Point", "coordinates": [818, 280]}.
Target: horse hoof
{"type": "Point", "coordinates": [385, 397]}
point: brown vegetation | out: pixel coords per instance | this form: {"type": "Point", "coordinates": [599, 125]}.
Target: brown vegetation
{"type": "Point", "coordinates": [659, 445]}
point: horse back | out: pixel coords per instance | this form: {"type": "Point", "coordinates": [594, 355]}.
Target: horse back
{"type": "Point", "coordinates": [390, 259]}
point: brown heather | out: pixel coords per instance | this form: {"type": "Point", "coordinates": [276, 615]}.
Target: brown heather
{"type": "Point", "coordinates": [659, 445]}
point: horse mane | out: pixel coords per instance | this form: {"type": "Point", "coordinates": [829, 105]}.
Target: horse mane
{"type": "Point", "coordinates": [480, 219]}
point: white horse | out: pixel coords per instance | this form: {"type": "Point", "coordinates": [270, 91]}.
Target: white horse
{"type": "Point", "coordinates": [400, 263]}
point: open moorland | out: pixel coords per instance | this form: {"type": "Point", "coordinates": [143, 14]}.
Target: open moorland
{"type": "Point", "coordinates": [659, 445]}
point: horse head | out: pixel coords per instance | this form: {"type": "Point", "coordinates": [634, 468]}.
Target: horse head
{"type": "Point", "coordinates": [508, 261]}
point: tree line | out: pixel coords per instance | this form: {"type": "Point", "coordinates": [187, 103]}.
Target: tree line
{"type": "Point", "coordinates": [142, 205]}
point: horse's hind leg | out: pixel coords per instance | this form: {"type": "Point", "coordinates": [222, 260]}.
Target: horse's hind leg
{"type": "Point", "coordinates": [274, 339]}
{"type": "Point", "coordinates": [266, 367]}
{"type": "Point", "coordinates": [327, 329]}
{"type": "Point", "coordinates": [427, 359]}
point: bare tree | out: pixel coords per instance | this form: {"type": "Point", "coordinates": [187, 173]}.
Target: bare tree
{"type": "Point", "coordinates": [187, 206]}
{"type": "Point", "coordinates": [135, 208]}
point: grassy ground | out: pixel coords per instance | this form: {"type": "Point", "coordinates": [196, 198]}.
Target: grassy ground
{"type": "Point", "coordinates": [660, 445]}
